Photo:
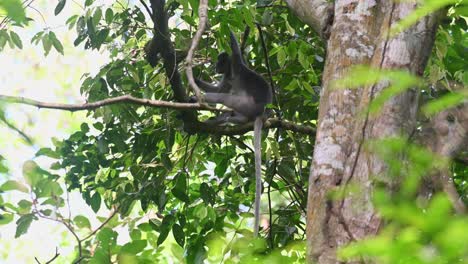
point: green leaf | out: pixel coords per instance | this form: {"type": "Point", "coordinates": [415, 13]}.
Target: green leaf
{"type": "Point", "coordinates": [55, 166]}
{"type": "Point", "coordinates": [3, 167]}
{"type": "Point", "coordinates": [286, 170]}
{"type": "Point", "coordinates": [46, 44]}
{"type": "Point", "coordinates": [221, 167]}
{"type": "Point", "coordinates": [55, 42]}
{"type": "Point", "coordinates": [79, 39]}
{"type": "Point", "coordinates": [91, 27]}
{"type": "Point", "coordinates": [48, 153]}
{"type": "Point", "coordinates": [135, 234]}
{"type": "Point", "coordinates": [107, 238]}
{"type": "Point", "coordinates": [100, 256]}
{"type": "Point", "coordinates": [97, 16]}
{"type": "Point", "coordinates": [446, 101]}
{"type": "Point", "coordinates": [424, 9]}
{"type": "Point", "coordinates": [309, 88]}
{"type": "Point", "coordinates": [200, 211]}
{"type": "Point", "coordinates": [59, 7]}
{"type": "Point", "coordinates": [71, 21]}
{"type": "Point", "coordinates": [303, 60]}
{"type": "Point", "coordinates": [134, 247]}
{"type": "Point", "coordinates": [109, 15]}
{"type": "Point", "coordinates": [84, 128]}
{"type": "Point", "coordinates": [101, 37]}
{"type": "Point", "coordinates": [4, 38]}
{"type": "Point", "coordinates": [14, 185]}
{"type": "Point", "coordinates": [37, 37]}
{"type": "Point", "coordinates": [180, 188]}
{"type": "Point", "coordinates": [126, 258]}
{"type": "Point", "coordinates": [95, 202]}
{"type": "Point", "coordinates": [166, 160]}
{"type": "Point", "coordinates": [24, 206]}
{"type": "Point", "coordinates": [14, 10]}
{"type": "Point", "coordinates": [54, 201]}
{"type": "Point", "coordinates": [288, 26]}
{"type": "Point", "coordinates": [16, 39]}
{"type": "Point", "coordinates": [6, 218]}
{"type": "Point", "coordinates": [292, 50]}
{"type": "Point", "coordinates": [47, 188]}
{"type": "Point", "coordinates": [281, 57]}
{"type": "Point", "coordinates": [81, 221]}
{"type": "Point", "coordinates": [23, 224]}
{"type": "Point", "coordinates": [47, 212]}
{"type": "Point", "coordinates": [98, 125]}
{"type": "Point", "coordinates": [165, 228]}
{"type": "Point", "coordinates": [207, 194]}
{"type": "Point", "coordinates": [89, 2]}
{"type": "Point", "coordinates": [179, 234]}
{"type": "Point", "coordinates": [248, 18]}
{"type": "Point", "coordinates": [31, 173]}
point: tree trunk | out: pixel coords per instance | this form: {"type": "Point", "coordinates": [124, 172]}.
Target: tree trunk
{"type": "Point", "coordinates": [360, 35]}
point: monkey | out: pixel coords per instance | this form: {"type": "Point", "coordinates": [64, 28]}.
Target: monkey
{"type": "Point", "coordinates": [246, 93]}
{"type": "Point", "coordinates": [223, 65]}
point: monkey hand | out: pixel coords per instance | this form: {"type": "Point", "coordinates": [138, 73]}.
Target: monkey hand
{"type": "Point", "coordinates": [193, 99]}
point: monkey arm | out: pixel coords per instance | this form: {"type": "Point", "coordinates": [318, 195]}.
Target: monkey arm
{"type": "Point", "coordinates": [207, 87]}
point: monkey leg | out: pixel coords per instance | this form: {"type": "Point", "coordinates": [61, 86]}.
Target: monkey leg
{"type": "Point", "coordinates": [207, 87]}
{"type": "Point", "coordinates": [237, 118]}
{"type": "Point", "coordinates": [228, 117]}
{"type": "Point", "coordinates": [242, 104]}
{"type": "Point", "coordinates": [219, 119]}
{"type": "Point", "coordinates": [217, 98]}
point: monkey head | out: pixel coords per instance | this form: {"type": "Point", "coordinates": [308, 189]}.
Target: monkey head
{"type": "Point", "coordinates": [224, 63]}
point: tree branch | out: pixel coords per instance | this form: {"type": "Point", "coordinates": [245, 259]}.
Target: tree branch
{"type": "Point", "coordinates": [202, 16]}
{"type": "Point", "coordinates": [244, 128]}
{"type": "Point", "coordinates": [316, 13]}
{"type": "Point", "coordinates": [162, 44]}
{"type": "Point", "coordinates": [147, 9]}
{"type": "Point", "coordinates": [191, 127]}
{"type": "Point", "coordinates": [50, 260]}
{"type": "Point", "coordinates": [101, 103]}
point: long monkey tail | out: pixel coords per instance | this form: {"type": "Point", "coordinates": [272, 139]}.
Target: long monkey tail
{"type": "Point", "coordinates": [258, 171]}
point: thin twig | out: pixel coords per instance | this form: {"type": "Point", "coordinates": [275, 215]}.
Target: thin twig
{"type": "Point", "coordinates": [147, 9]}
{"type": "Point", "coordinates": [268, 6]}
{"type": "Point", "coordinates": [202, 16]}
{"type": "Point", "coordinates": [67, 225]}
{"type": "Point", "coordinates": [273, 173]}
{"type": "Point", "coordinates": [40, 14]}
{"type": "Point", "coordinates": [240, 142]}
{"type": "Point", "coordinates": [115, 210]}
{"type": "Point", "coordinates": [17, 130]}
{"type": "Point", "coordinates": [267, 62]}
{"type": "Point", "coordinates": [54, 257]}
{"type": "Point", "coordinates": [244, 40]}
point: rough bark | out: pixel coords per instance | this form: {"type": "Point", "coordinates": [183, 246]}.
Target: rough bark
{"type": "Point", "coordinates": [359, 35]}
